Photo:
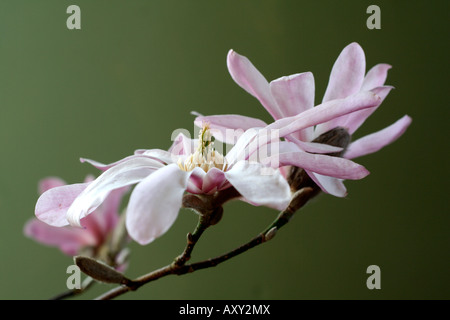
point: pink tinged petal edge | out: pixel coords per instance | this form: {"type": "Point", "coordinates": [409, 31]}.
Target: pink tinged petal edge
{"type": "Point", "coordinates": [183, 145]}
{"type": "Point", "coordinates": [347, 74]}
{"type": "Point", "coordinates": [155, 202]}
{"type": "Point", "coordinates": [327, 111]}
{"type": "Point", "coordinates": [251, 80]}
{"type": "Point", "coordinates": [376, 77]}
{"type": "Point", "coordinates": [101, 222]}
{"type": "Point", "coordinates": [53, 204]}
{"type": "Point", "coordinates": [354, 120]}
{"type": "Point", "coordinates": [260, 185]}
{"type": "Point", "coordinates": [139, 155]}
{"type": "Point", "coordinates": [50, 183]}
{"type": "Point", "coordinates": [126, 173]}
{"type": "Point", "coordinates": [375, 141]}
{"type": "Point", "coordinates": [321, 164]}
{"type": "Point", "coordinates": [295, 94]}
{"type": "Point", "coordinates": [68, 240]}
{"type": "Point", "coordinates": [330, 185]}
{"type": "Point", "coordinates": [229, 127]}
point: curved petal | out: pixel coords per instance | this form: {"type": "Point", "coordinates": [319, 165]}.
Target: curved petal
{"type": "Point", "coordinates": [325, 112]}
{"type": "Point", "coordinates": [50, 183]}
{"type": "Point", "coordinates": [155, 202]}
{"type": "Point", "coordinates": [139, 155]}
{"type": "Point", "coordinates": [126, 173]}
{"type": "Point", "coordinates": [260, 185]}
{"type": "Point", "coordinates": [213, 181]}
{"type": "Point", "coordinates": [347, 74]}
{"type": "Point", "coordinates": [68, 240]}
{"type": "Point", "coordinates": [354, 120]}
{"type": "Point", "coordinates": [330, 185]}
{"type": "Point", "coordinates": [52, 205]}
{"type": "Point", "coordinates": [229, 127]}
{"type": "Point", "coordinates": [318, 163]}
{"type": "Point", "coordinates": [376, 77]}
{"type": "Point", "coordinates": [251, 80]}
{"type": "Point", "coordinates": [375, 141]}
{"type": "Point", "coordinates": [182, 145]}
{"type": "Point", "coordinates": [295, 94]}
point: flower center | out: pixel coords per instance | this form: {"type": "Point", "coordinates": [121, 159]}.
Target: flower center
{"type": "Point", "coordinates": [205, 156]}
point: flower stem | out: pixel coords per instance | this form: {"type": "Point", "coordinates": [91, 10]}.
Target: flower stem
{"type": "Point", "coordinates": [180, 267]}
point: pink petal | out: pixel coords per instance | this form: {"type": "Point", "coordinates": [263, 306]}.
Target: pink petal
{"type": "Point", "coordinates": [182, 145]}
{"type": "Point", "coordinates": [105, 218]}
{"type": "Point", "coordinates": [330, 185]}
{"type": "Point", "coordinates": [347, 74]}
{"type": "Point", "coordinates": [123, 174]}
{"type": "Point", "coordinates": [213, 181]}
{"type": "Point", "coordinates": [251, 80]}
{"type": "Point", "coordinates": [375, 141]}
{"type": "Point", "coordinates": [139, 155]}
{"type": "Point", "coordinates": [318, 163]}
{"type": "Point", "coordinates": [49, 183]}
{"type": "Point", "coordinates": [228, 128]}
{"type": "Point", "coordinates": [325, 112]}
{"type": "Point", "coordinates": [53, 204]}
{"type": "Point", "coordinates": [295, 94]}
{"type": "Point", "coordinates": [376, 77]}
{"type": "Point", "coordinates": [354, 120]}
{"type": "Point", "coordinates": [155, 202]}
{"type": "Point", "coordinates": [68, 240]}
{"type": "Point", "coordinates": [260, 185]}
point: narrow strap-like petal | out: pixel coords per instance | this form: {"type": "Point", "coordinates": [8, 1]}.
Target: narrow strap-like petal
{"type": "Point", "coordinates": [126, 173]}
{"type": "Point", "coordinates": [376, 77]}
{"type": "Point", "coordinates": [229, 127]}
{"type": "Point", "coordinates": [155, 202]}
{"type": "Point", "coordinates": [295, 94]}
{"type": "Point", "coordinates": [330, 185]}
{"type": "Point", "coordinates": [375, 141]}
{"type": "Point", "coordinates": [251, 80]}
{"type": "Point", "coordinates": [347, 74]}
{"type": "Point", "coordinates": [322, 164]}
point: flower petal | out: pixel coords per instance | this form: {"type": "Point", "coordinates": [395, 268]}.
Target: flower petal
{"type": "Point", "coordinates": [229, 127]}
{"type": "Point", "coordinates": [354, 120]}
{"type": "Point", "coordinates": [49, 183]}
{"type": "Point", "coordinates": [68, 240]}
{"type": "Point", "coordinates": [183, 145]}
{"type": "Point", "coordinates": [376, 77]}
{"type": "Point", "coordinates": [330, 185]}
{"type": "Point", "coordinates": [260, 185]}
{"type": "Point", "coordinates": [53, 204]}
{"type": "Point", "coordinates": [325, 112]}
{"type": "Point", "coordinates": [319, 163]}
{"type": "Point", "coordinates": [139, 155]}
{"type": "Point", "coordinates": [375, 141]}
{"type": "Point", "coordinates": [155, 202]}
{"type": "Point", "coordinates": [251, 80]}
{"type": "Point", "coordinates": [295, 94]}
{"type": "Point", "coordinates": [347, 74]}
{"type": "Point", "coordinates": [123, 174]}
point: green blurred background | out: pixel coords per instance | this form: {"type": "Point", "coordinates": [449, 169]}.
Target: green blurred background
{"type": "Point", "coordinates": [132, 75]}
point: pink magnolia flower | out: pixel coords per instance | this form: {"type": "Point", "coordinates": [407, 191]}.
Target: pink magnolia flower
{"type": "Point", "coordinates": [291, 98]}
{"type": "Point", "coordinates": [162, 177]}
{"type": "Point", "coordinates": [71, 241]}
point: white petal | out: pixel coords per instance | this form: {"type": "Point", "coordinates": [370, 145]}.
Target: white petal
{"type": "Point", "coordinates": [260, 185]}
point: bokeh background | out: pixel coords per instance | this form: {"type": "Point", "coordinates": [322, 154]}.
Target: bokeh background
{"type": "Point", "coordinates": [136, 70]}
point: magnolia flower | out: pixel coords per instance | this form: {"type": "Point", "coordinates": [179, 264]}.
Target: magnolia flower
{"type": "Point", "coordinates": [71, 241]}
{"type": "Point", "coordinates": [162, 177]}
{"type": "Point", "coordinates": [290, 98]}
